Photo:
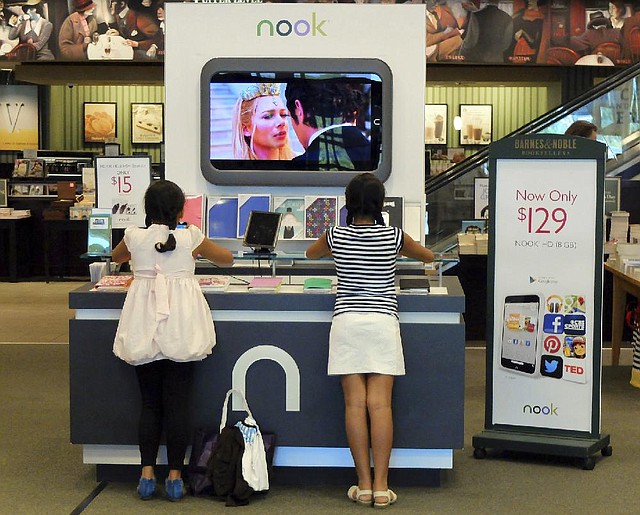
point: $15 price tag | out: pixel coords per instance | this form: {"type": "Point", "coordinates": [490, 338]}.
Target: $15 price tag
{"type": "Point", "coordinates": [122, 183]}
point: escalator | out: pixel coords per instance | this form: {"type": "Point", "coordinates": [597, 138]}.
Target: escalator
{"type": "Point", "coordinates": [613, 105]}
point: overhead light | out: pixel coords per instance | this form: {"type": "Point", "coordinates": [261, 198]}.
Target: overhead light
{"type": "Point", "coordinates": [457, 123]}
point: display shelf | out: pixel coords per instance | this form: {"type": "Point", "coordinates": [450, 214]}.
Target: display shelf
{"type": "Point", "coordinates": [295, 263]}
{"type": "Point", "coordinates": [51, 167]}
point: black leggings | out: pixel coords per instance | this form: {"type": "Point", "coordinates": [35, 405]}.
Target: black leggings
{"type": "Point", "coordinates": [165, 387]}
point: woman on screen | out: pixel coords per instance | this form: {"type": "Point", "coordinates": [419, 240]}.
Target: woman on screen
{"type": "Point", "coordinates": [260, 124]}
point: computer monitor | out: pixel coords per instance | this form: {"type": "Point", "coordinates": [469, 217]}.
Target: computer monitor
{"type": "Point", "coordinates": [262, 231]}
{"type": "Point", "coordinates": [351, 96]}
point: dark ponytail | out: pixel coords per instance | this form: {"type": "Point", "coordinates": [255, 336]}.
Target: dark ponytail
{"type": "Point", "coordinates": [365, 197]}
{"type": "Point", "coordinates": [163, 202]}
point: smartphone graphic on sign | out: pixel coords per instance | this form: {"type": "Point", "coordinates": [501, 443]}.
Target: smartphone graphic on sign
{"type": "Point", "coordinates": [520, 333]}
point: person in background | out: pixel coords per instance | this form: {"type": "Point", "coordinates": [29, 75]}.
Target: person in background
{"type": "Point", "coordinates": [488, 34]}
{"type": "Point", "coordinates": [582, 128]}
{"type": "Point", "coordinates": [365, 348]}
{"type": "Point", "coordinates": [165, 326]}
{"type": "Point", "coordinates": [260, 124]}
{"type": "Point", "coordinates": [599, 30]}
{"type": "Point", "coordinates": [76, 30]}
{"type": "Point", "coordinates": [528, 41]}
{"type": "Point", "coordinates": [324, 116]}
{"type": "Point", "coordinates": [157, 48]}
{"type": "Point", "coordinates": [136, 23]}
{"type": "Point", "coordinates": [617, 14]}
{"type": "Point", "coordinates": [630, 37]}
{"type": "Point", "coordinates": [34, 29]}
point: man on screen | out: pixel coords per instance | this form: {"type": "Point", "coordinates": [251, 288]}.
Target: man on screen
{"type": "Point", "coordinates": [324, 116]}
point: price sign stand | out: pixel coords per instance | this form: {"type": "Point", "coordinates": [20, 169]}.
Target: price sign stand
{"type": "Point", "coordinates": [121, 182]}
{"type": "Point", "coordinates": [544, 335]}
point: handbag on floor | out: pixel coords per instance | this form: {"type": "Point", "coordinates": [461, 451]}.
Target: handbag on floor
{"type": "Point", "coordinates": [255, 470]}
{"type": "Point", "coordinates": [229, 462]}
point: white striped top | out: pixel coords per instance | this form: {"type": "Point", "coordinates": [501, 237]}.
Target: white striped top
{"type": "Point", "coordinates": [365, 258]}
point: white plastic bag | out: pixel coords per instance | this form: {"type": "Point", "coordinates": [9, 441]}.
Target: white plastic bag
{"type": "Point", "coordinates": [254, 458]}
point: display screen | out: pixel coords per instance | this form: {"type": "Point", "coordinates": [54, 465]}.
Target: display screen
{"type": "Point", "coordinates": [262, 230]}
{"type": "Point", "coordinates": [295, 121]}
{"type": "Point", "coordinates": [520, 333]}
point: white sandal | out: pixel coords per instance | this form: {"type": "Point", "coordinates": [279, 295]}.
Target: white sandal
{"type": "Point", "coordinates": [354, 494]}
{"type": "Point", "coordinates": [389, 494]}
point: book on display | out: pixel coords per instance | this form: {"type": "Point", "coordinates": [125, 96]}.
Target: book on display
{"type": "Point", "coordinates": [415, 285]}
{"type": "Point", "coordinates": [393, 211]}
{"type": "Point", "coordinates": [265, 284]}
{"type": "Point", "coordinates": [114, 283]}
{"type": "Point", "coordinates": [317, 285]}
{"type": "Point", "coordinates": [222, 217]}
{"type": "Point", "coordinates": [193, 212]}
{"type": "Point", "coordinates": [213, 282]}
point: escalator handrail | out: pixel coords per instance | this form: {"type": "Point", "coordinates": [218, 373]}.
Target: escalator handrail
{"type": "Point", "coordinates": [480, 157]}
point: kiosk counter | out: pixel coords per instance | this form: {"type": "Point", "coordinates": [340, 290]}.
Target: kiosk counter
{"type": "Point", "coordinates": [274, 348]}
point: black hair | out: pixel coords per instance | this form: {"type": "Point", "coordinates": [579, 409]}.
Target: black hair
{"type": "Point", "coordinates": [365, 197]}
{"type": "Point", "coordinates": [163, 202]}
{"type": "Point", "coordinates": [581, 128]}
{"type": "Point", "coordinates": [324, 100]}
{"type": "Point", "coordinates": [38, 7]}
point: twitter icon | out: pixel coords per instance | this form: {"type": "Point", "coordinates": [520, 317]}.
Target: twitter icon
{"type": "Point", "coordinates": [551, 366]}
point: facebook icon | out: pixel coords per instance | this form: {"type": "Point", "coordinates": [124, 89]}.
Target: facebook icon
{"type": "Point", "coordinates": [553, 323]}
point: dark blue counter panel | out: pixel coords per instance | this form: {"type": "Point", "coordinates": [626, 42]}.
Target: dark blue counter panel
{"type": "Point", "coordinates": [275, 347]}
{"type": "Point", "coordinates": [105, 399]}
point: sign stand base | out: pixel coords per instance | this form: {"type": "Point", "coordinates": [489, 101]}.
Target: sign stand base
{"type": "Point", "coordinates": [577, 447]}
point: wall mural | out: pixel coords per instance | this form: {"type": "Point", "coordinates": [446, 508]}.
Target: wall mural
{"type": "Point", "coordinates": [518, 32]}
{"type": "Point", "coordinates": [79, 30]}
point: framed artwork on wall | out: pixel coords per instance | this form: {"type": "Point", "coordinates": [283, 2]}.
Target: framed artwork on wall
{"type": "Point", "coordinates": [99, 121]}
{"type": "Point", "coordinates": [19, 120]}
{"type": "Point", "coordinates": [435, 124]}
{"type": "Point", "coordinates": [147, 123]}
{"type": "Point", "coordinates": [477, 124]}
{"type": "Point", "coordinates": [3, 192]}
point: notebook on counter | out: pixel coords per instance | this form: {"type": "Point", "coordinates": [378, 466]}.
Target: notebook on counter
{"type": "Point", "coordinates": [114, 283]}
{"type": "Point", "coordinates": [265, 284]}
{"type": "Point", "coordinates": [213, 282]}
{"type": "Point", "coordinates": [317, 285]}
{"type": "Point", "coordinates": [415, 285]}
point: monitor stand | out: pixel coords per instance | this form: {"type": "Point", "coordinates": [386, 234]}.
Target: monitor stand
{"type": "Point", "coordinates": [260, 254]}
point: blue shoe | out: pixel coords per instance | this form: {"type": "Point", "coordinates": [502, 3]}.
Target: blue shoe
{"type": "Point", "coordinates": [174, 489]}
{"type": "Point", "coordinates": [146, 488]}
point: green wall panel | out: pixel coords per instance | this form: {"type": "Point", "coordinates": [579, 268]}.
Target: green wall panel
{"type": "Point", "coordinates": [513, 106]}
{"type": "Point", "coordinates": [67, 123]}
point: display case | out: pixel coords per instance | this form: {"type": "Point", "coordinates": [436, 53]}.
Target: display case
{"type": "Point", "coordinates": [38, 177]}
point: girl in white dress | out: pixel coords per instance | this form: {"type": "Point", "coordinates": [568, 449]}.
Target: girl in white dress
{"type": "Point", "coordinates": [365, 347]}
{"type": "Point", "coordinates": [165, 326]}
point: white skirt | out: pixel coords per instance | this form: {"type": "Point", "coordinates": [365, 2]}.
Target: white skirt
{"type": "Point", "coordinates": [365, 343]}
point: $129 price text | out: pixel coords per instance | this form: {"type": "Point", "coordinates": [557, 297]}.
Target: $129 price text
{"type": "Point", "coordinates": [544, 220]}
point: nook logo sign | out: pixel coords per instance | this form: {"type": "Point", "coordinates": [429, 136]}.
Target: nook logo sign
{"type": "Point", "coordinates": [540, 410]}
{"type": "Point", "coordinates": [285, 27]}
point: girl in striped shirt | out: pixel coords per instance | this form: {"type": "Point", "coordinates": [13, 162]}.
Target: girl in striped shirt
{"type": "Point", "coordinates": [365, 348]}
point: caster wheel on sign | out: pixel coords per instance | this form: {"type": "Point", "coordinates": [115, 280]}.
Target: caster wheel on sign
{"type": "Point", "coordinates": [588, 463]}
{"type": "Point", "coordinates": [479, 453]}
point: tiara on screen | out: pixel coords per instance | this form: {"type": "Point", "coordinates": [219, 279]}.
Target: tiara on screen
{"type": "Point", "coordinates": [260, 90]}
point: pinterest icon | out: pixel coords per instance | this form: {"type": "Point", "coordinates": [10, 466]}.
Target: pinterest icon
{"type": "Point", "coordinates": [552, 344]}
